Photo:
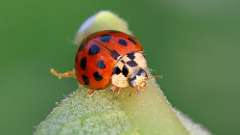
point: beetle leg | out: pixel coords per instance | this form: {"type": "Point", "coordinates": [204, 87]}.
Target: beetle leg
{"type": "Point", "coordinates": [90, 92]}
{"type": "Point", "coordinates": [60, 75]}
{"type": "Point", "coordinates": [138, 91]}
{"type": "Point", "coordinates": [115, 89]}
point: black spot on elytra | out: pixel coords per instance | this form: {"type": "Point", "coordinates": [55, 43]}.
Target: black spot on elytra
{"type": "Point", "coordinates": [105, 38]}
{"type": "Point", "coordinates": [125, 71]}
{"type": "Point", "coordinates": [132, 63]}
{"type": "Point", "coordinates": [115, 54]}
{"type": "Point", "coordinates": [122, 42]}
{"type": "Point", "coordinates": [116, 70]}
{"type": "Point", "coordinates": [101, 64]}
{"type": "Point", "coordinates": [132, 40]}
{"type": "Point", "coordinates": [97, 76]}
{"type": "Point", "coordinates": [131, 56]}
{"type": "Point", "coordinates": [85, 79]}
{"type": "Point", "coordinates": [83, 63]}
{"type": "Point", "coordinates": [94, 49]}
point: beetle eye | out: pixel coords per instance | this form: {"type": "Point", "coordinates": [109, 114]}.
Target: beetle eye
{"type": "Point", "coordinates": [135, 80]}
{"type": "Point", "coordinates": [142, 72]}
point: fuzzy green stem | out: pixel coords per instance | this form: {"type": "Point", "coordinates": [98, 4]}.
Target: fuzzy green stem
{"type": "Point", "coordinates": [109, 113]}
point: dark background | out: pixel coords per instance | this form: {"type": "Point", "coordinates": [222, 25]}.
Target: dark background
{"type": "Point", "coordinates": [193, 44]}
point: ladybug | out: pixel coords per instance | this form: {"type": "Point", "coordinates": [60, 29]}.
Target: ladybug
{"type": "Point", "coordinates": [109, 57]}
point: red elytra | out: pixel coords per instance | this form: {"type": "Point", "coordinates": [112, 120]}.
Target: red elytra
{"type": "Point", "coordinates": [98, 54]}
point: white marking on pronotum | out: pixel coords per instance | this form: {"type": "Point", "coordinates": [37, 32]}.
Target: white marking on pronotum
{"type": "Point", "coordinates": [133, 78]}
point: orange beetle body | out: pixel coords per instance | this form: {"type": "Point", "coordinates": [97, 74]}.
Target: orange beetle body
{"type": "Point", "coordinates": [99, 53]}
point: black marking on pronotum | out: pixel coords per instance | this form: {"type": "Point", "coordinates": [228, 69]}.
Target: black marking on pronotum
{"type": "Point", "coordinates": [115, 54]}
{"type": "Point", "coordinates": [125, 71]}
{"type": "Point", "coordinates": [122, 42]}
{"type": "Point", "coordinates": [83, 63]}
{"type": "Point", "coordinates": [131, 56]}
{"type": "Point", "coordinates": [122, 61]}
{"type": "Point", "coordinates": [105, 38]}
{"type": "Point", "coordinates": [85, 79]}
{"type": "Point", "coordinates": [132, 63]}
{"type": "Point", "coordinates": [116, 70]}
{"type": "Point", "coordinates": [97, 76]}
{"type": "Point", "coordinates": [132, 40]}
{"type": "Point", "coordinates": [94, 49]}
{"type": "Point", "coordinates": [101, 64]}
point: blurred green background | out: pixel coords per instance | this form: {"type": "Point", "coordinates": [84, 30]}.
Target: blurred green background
{"type": "Point", "coordinates": [193, 44]}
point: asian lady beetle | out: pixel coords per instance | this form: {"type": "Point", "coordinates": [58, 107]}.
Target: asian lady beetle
{"type": "Point", "coordinates": [109, 57]}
